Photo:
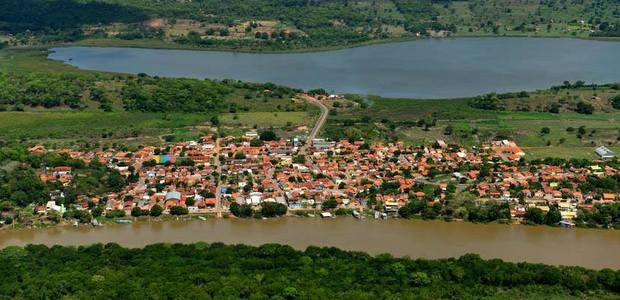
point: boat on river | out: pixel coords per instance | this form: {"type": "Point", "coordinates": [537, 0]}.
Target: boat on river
{"type": "Point", "coordinates": [122, 221]}
{"type": "Point", "coordinates": [326, 215]}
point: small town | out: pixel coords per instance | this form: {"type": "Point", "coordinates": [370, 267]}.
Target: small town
{"type": "Point", "coordinates": [219, 175]}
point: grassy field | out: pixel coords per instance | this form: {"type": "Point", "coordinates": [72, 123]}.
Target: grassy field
{"type": "Point", "coordinates": [396, 119]}
{"type": "Point", "coordinates": [32, 60]}
{"type": "Point", "coordinates": [67, 128]}
{"type": "Point", "coordinates": [62, 128]}
{"type": "Point", "coordinates": [270, 119]}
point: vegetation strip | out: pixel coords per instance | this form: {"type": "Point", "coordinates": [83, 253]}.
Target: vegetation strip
{"type": "Point", "coordinates": [207, 271]}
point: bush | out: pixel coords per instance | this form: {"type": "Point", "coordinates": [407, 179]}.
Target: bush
{"type": "Point", "coordinates": [584, 108]}
{"type": "Point", "coordinates": [117, 213]}
{"type": "Point", "coordinates": [615, 102]}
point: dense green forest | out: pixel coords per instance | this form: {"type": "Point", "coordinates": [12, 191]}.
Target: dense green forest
{"type": "Point", "coordinates": [133, 93]}
{"type": "Point", "coordinates": [298, 24]}
{"type": "Point", "coordinates": [217, 271]}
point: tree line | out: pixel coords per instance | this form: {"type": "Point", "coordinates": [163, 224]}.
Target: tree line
{"type": "Point", "coordinates": [218, 271]}
{"type": "Point", "coordinates": [136, 93]}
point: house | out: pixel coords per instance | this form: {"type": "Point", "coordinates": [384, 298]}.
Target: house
{"type": "Point", "coordinates": [173, 195]}
{"type": "Point", "coordinates": [604, 152]}
{"type": "Point", "coordinates": [62, 170]}
{"type": "Point", "coordinates": [609, 196]}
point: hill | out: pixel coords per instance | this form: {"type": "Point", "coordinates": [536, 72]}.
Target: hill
{"type": "Point", "coordinates": [294, 24]}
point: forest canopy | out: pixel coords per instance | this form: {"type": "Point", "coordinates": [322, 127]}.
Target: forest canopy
{"type": "Point", "coordinates": [134, 93]}
{"type": "Point", "coordinates": [209, 271]}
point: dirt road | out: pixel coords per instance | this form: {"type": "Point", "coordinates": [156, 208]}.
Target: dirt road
{"type": "Point", "coordinates": [319, 123]}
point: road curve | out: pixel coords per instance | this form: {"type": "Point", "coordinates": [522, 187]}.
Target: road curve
{"type": "Point", "coordinates": [319, 123]}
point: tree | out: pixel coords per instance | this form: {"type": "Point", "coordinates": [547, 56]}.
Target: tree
{"type": "Point", "coordinates": [419, 279]}
{"type": "Point", "coordinates": [136, 212]}
{"type": "Point", "coordinates": [329, 204]}
{"type": "Point", "coordinates": [235, 209]}
{"type": "Point", "coordinates": [553, 217]}
{"type": "Point", "coordinates": [581, 130]}
{"type": "Point", "coordinates": [268, 135]}
{"type": "Point", "coordinates": [97, 211]}
{"type": "Point", "coordinates": [256, 143]}
{"type": "Point", "coordinates": [215, 121]}
{"type": "Point", "coordinates": [299, 159]}
{"type": "Point", "coordinates": [545, 130]}
{"type": "Point", "coordinates": [54, 216]}
{"type": "Point", "coordinates": [272, 209]}
{"type": "Point", "coordinates": [584, 108]}
{"type": "Point", "coordinates": [156, 211]}
{"type": "Point", "coordinates": [178, 210]}
{"type": "Point", "coordinates": [117, 213]}
{"type": "Point", "coordinates": [615, 102]}
{"type": "Point", "coordinates": [535, 215]}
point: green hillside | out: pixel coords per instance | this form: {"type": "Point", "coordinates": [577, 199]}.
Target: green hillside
{"type": "Point", "coordinates": [294, 24]}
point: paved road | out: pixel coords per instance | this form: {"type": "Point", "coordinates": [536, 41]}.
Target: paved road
{"type": "Point", "coordinates": [319, 124]}
{"type": "Point", "coordinates": [218, 192]}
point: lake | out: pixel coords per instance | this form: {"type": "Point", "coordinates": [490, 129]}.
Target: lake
{"type": "Point", "coordinates": [428, 68]}
{"type": "Point", "coordinates": [590, 248]}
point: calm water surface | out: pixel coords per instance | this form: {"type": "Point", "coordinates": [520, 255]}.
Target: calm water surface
{"type": "Point", "coordinates": [588, 248]}
{"type": "Point", "coordinates": [431, 68]}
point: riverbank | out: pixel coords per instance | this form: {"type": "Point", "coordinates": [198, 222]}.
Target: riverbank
{"type": "Point", "coordinates": [310, 214]}
{"type": "Point", "coordinates": [161, 44]}
{"type": "Point", "coordinates": [417, 239]}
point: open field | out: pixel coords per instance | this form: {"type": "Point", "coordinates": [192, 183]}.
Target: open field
{"type": "Point", "coordinates": [79, 128]}
{"type": "Point", "coordinates": [389, 119]}
{"type": "Point", "coordinates": [69, 128]}
{"type": "Point", "coordinates": [269, 119]}
{"type": "Point", "coordinates": [32, 60]}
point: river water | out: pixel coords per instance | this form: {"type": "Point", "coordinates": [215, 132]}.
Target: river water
{"type": "Point", "coordinates": [590, 248]}
{"type": "Point", "coordinates": [430, 68]}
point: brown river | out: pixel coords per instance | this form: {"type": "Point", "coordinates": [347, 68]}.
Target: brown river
{"type": "Point", "coordinates": [589, 248]}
